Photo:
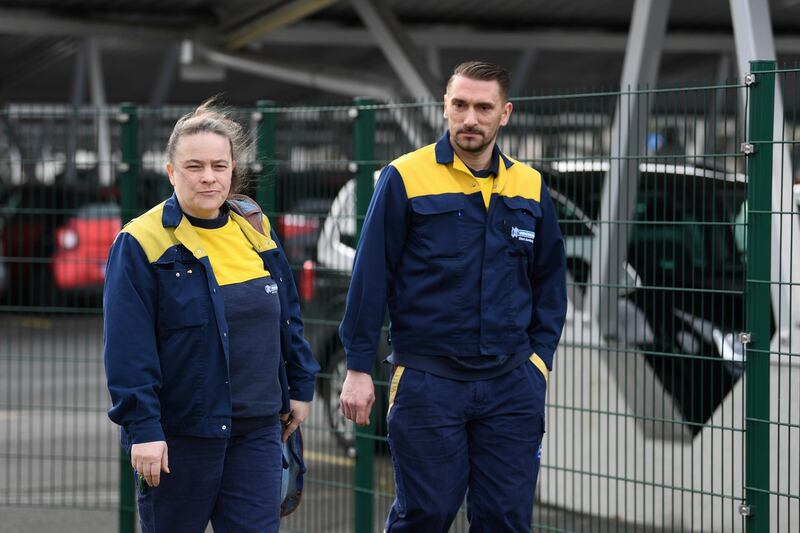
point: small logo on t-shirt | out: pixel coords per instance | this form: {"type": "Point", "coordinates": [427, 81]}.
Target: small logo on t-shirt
{"type": "Point", "coordinates": [522, 234]}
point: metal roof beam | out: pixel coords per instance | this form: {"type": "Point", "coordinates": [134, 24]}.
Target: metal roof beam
{"type": "Point", "coordinates": [286, 14]}
{"type": "Point", "coordinates": [33, 22]}
{"type": "Point", "coordinates": [345, 84]}
{"type": "Point", "coordinates": [460, 37]}
{"type": "Point", "coordinates": [402, 54]}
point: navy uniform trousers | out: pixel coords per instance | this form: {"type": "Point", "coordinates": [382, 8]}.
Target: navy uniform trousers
{"type": "Point", "coordinates": [449, 437]}
{"type": "Point", "coordinates": [235, 483]}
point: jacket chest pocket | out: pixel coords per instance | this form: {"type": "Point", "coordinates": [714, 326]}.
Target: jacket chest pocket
{"type": "Point", "coordinates": [520, 220]}
{"type": "Point", "coordinates": [182, 295]}
{"type": "Point", "coordinates": [436, 225]}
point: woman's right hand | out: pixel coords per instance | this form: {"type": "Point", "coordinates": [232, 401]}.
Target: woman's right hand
{"type": "Point", "coordinates": [149, 459]}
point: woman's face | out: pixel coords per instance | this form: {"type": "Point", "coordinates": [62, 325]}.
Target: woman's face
{"type": "Point", "coordinates": [201, 173]}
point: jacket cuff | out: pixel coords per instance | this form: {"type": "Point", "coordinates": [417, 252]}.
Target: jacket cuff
{"type": "Point", "coordinates": [544, 353]}
{"type": "Point", "coordinates": [360, 362]}
{"type": "Point", "coordinates": [150, 432]}
{"type": "Point", "coordinates": [303, 391]}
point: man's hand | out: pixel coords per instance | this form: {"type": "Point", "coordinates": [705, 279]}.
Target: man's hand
{"type": "Point", "coordinates": [149, 459]}
{"type": "Point", "coordinates": [358, 395]}
{"type": "Point", "coordinates": [298, 412]}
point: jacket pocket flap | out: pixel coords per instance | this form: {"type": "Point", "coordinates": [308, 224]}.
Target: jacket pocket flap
{"type": "Point", "coordinates": [516, 202]}
{"type": "Point", "coordinates": [435, 205]}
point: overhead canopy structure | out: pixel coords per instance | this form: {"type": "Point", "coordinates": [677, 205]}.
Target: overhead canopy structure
{"type": "Point", "coordinates": [314, 50]}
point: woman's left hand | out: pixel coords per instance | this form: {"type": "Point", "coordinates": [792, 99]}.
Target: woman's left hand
{"type": "Point", "coordinates": [298, 412]}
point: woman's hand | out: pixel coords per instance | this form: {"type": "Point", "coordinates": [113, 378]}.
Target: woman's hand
{"type": "Point", "coordinates": [298, 412]}
{"type": "Point", "coordinates": [149, 459]}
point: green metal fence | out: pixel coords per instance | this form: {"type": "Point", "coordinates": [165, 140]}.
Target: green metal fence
{"type": "Point", "coordinates": [671, 404]}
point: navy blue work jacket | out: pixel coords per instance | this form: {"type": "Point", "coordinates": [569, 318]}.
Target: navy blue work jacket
{"type": "Point", "coordinates": [165, 337]}
{"type": "Point", "coordinates": [459, 280]}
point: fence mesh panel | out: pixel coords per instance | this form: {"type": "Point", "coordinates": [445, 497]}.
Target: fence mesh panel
{"type": "Point", "coordinates": [647, 412]}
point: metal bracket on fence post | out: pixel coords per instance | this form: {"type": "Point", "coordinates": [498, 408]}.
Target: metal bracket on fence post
{"type": "Point", "coordinates": [744, 510]}
{"type": "Point", "coordinates": [757, 299]}
{"type": "Point", "coordinates": [264, 167]}
{"type": "Point", "coordinates": [128, 172]}
{"type": "Point", "coordinates": [365, 436]}
{"type": "Point", "coordinates": [747, 148]}
{"type": "Point", "coordinates": [750, 79]}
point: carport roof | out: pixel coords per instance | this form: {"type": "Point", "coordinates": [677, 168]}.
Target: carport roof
{"type": "Point", "coordinates": [551, 45]}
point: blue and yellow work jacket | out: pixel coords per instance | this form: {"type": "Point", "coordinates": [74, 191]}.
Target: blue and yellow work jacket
{"type": "Point", "coordinates": [166, 337]}
{"type": "Point", "coordinates": [460, 280]}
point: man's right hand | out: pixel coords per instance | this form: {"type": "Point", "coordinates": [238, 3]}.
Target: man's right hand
{"type": "Point", "coordinates": [358, 395]}
{"type": "Point", "coordinates": [149, 459]}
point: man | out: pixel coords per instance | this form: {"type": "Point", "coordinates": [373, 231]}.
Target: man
{"type": "Point", "coordinates": [463, 244]}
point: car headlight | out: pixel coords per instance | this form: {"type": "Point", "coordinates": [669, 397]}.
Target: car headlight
{"type": "Point", "coordinates": [68, 239]}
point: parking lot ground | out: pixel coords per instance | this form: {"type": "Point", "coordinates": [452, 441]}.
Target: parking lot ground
{"type": "Point", "coordinates": [59, 455]}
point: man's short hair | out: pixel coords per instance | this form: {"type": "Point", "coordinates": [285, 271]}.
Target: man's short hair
{"type": "Point", "coordinates": [483, 71]}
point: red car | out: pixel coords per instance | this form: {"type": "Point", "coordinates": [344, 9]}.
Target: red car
{"type": "Point", "coordinates": [82, 245]}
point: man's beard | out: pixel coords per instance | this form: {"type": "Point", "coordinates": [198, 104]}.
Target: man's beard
{"type": "Point", "coordinates": [473, 148]}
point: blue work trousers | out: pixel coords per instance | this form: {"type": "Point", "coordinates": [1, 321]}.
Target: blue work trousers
{"type": "Point", "coordinates": [235, 483]}
{"type": "Point", "coordinates": [449, 437]}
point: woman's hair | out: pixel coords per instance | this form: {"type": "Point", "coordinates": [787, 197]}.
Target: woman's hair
{"type": "Point", "coordinates": [212, 117]}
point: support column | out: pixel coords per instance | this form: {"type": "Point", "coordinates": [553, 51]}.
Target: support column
{"type": "Point", "coordinates": [520, 74]}
{"type": "Point", "coordinates": [754, 40]}
{"type": "Point", "coordinates": [166, 76]}
{"type": "Point", "coordinates": [101, 116]}
{"type": "Point", "coordinates": [76, 99]}
{"type": "Point", "coordinates": [628, 133]}
{"type": "Point", "coordinates": [402, 54]}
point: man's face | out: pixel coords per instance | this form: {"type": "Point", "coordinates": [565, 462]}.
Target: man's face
{"type": "Point", "coordinates": [474, 110]}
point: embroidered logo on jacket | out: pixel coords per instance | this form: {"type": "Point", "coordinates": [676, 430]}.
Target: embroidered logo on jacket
{"type": "Point", "coordinates": [523, 234]}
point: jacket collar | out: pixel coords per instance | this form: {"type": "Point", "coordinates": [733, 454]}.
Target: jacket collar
{"type": "Point", "coordinates": [172, 217]}
{"type": "Point", "coordinates": [445, 155]}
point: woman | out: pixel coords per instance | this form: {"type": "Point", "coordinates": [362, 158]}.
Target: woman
{"type": "Point", "coordinates": [200, 311]}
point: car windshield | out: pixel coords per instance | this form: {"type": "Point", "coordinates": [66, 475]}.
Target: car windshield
{"type": "Point", "coordinates": [687, 221]}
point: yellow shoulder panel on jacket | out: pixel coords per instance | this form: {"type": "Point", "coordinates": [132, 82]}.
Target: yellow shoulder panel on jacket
{"type": "Point", "coordinates": [150, 233]}
{"type": "Point", "coordinates": [522, 180]}
{"type": "Point", "coordinates": [423, 176]}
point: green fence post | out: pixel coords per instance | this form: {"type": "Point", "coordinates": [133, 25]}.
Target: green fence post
{"type": "Point", "coordinates": [128, 172]}
{"type": "Point", "coordinates": [761, 83]}
{"type": "Point", "coordinates": [365, 438]}
{"type": "Point", "coordinates": [267, 183]}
